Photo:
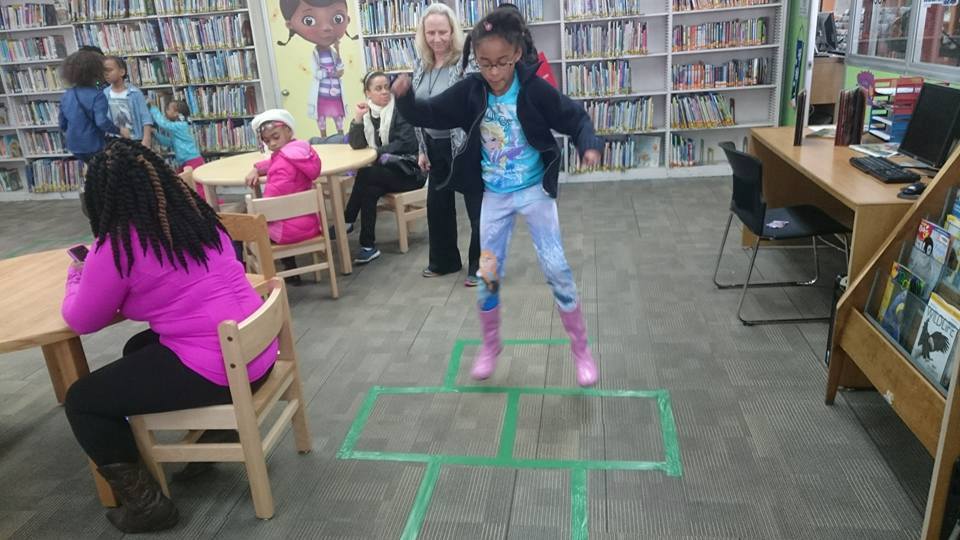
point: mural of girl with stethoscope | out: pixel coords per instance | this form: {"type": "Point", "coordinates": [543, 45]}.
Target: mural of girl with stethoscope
{"type": "Point", "coordinates": [323, 23]}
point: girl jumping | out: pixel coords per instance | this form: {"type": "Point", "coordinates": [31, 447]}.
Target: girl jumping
{"type": "Point", "coordinates": [508, 112]}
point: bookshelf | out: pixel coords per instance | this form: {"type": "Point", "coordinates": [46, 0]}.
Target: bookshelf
{"type": "Point", "coordinates": [862, 350]}
{"type": "Point", "coordinates": [34, 40]}
{"type": "Point", "coordinates": [632, 42]}
{"type": "Point", "coordinates": [204, 51]}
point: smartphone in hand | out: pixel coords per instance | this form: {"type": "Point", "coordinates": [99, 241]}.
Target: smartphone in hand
{"type": "Point", "coordinates": [78, 253]}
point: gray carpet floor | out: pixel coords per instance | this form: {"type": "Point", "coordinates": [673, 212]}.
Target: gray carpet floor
{"type": "Point", "coordinates": [762, 457]}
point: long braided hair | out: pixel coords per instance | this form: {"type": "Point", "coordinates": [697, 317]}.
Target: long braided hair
{"type": "Point", "coordinates": [130, 186]}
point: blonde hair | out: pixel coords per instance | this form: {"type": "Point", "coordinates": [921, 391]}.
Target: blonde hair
{"type": "Point", "coordinates": [456, 36]}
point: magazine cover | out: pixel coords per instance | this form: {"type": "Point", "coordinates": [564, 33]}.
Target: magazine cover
{"type": "Point", "coordinates": [892, 304]}
{"type": "Point", "coordinates": [938, 333]}
{"type": "Point", "coordinates": [950, 274]}
{"type": "Point", "coordinates": [929, 254]}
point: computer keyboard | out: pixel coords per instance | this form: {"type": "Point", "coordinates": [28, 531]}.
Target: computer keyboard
{"type": "Point", "coordinates": [884, 170]}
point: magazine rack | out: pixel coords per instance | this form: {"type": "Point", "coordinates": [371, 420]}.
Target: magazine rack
{"type": "Point", "coordinates": [859, 349]}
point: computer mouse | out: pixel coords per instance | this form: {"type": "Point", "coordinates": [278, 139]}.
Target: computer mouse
{"type": "Point", "coordinates": [914, 189]}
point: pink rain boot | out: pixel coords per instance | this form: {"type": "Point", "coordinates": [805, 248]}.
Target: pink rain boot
{"type": "Point", "coordinates": [486, 360]}
{"type": "Point", "coordinates": [576, 328]}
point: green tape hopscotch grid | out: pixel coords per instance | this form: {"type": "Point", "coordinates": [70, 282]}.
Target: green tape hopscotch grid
{"type": "Point", "coordinates": [504, 458]}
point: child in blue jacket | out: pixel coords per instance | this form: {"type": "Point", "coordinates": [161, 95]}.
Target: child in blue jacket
{"type": "Point", "coordinates": [177, 133]}
{"type": "Point", "coordinates": [84, 114]}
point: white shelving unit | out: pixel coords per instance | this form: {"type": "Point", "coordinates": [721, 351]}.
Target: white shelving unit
{"type": "Point", "coordinates": [18, 95]}
{"type": "Point", "coordinates": [755, 106]}
{"type": "Point", "coordinates": [79, 27]}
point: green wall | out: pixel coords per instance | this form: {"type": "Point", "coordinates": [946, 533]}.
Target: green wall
{"type": "Point", "coordinates": [796, 27]}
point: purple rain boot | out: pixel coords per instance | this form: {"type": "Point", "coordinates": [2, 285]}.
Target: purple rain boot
{"type": "Point", "coordinates": [486, 360]}
{"type": "Point", "coordinates": [576, 328]}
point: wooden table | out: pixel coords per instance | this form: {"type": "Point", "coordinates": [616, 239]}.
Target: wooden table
{"type": "Point", "coordinates": [33, 288]}
{"type": "Point", "coordinates": [335, 159]}
{"type": "Point", "coordinates": [817, 172]}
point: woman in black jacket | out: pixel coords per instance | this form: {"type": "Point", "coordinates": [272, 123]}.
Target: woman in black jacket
{"type": "Point", "coordinates": [378, 125]}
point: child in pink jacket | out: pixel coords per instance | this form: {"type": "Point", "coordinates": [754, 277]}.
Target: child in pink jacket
{"type": "Point", "coordinates": [292, 168]}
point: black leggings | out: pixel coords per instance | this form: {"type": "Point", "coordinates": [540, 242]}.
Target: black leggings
{"type": "Point", "coordinates": [372, 183]}
{"type": "Point", "coordinates": [150, 378]}
{"type": "Point", "coordinates": [442, 214]}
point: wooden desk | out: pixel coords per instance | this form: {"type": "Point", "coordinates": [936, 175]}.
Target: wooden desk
{"type": "Point", "coordinates": [335, 160]}
{"type": "Point", "coordinates": [820, 173]}
{"type": "Point", "coordinates": [33, 288]}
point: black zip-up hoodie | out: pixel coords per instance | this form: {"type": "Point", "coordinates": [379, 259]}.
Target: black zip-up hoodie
{"type": "Point", "coordinates": [540, 108]}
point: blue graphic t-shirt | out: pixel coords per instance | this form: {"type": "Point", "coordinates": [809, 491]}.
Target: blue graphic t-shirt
{"type": "Point", "coordinates": [509, 162]}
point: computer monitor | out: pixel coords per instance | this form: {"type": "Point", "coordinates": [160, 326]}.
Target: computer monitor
{"type": "Point", "coordinates": [934, 126]}
{"type": "Point", "coordinates": [826, 33]}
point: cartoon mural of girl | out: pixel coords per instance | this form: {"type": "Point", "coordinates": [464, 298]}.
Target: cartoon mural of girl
{"type": "Point", "coordinates": [323, 23]}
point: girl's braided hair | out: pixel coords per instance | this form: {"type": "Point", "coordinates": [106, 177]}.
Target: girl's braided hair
{"type": "Point", "coordinates": [127, 185]}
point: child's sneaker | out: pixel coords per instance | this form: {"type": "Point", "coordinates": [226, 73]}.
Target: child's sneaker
{"type": "Point", "coordinates": [366, 255]}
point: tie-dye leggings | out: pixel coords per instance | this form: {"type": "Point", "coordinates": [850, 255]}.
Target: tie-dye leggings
{"type": "Point", "coordinates": [497, 216]}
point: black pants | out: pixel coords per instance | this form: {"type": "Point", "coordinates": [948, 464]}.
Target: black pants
{"type": "Point", "coordinates": [442, 214]}
{"type": "Point", "coordinates": [372, 183]}
{"type": "Point", "coordinates": [148, 379]}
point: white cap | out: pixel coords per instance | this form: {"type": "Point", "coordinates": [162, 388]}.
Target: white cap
{"type": "Point", "coordinates": [272, 115]}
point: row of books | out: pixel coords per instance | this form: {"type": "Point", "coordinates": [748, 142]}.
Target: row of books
{"type": "Point", "coordinates": [695, 5]}
{"type": "Point", "coordinates": [612, 38]}
{"type": "Point", "coordinates": [221, 101]}
{"type": "Point", "coordinates": [37, 113]}
{"type": "Point", "coordinates": [10, 180]}
{"type": "Point", "coordinates": [618, 155]}
{"type": "Point", "coordinates": [203, 68]}
{"type": "Point", "coordinates": [622, 115]}
{"type": "Point", "coordinates": [54, 175]}
{"type": "Point", "coordinates": [471, 11]}
{"type": "Point", "coordinates": [696, 111]}
{"type": "Point", "coordinates": [390, 16]}
{"type": "Point", "coordinates": [225, 136]}
{"type": "Point", "coordinates": [599, 79]}
{"type": "Point", "coordinates": [127, 38]}
{"type": "Point", "coordinates": [43, 142]}
{"type": "Point", "coordinates": [721, 34]}
{"type": "Point", "coordinates": [10, 147]}
{"type": "Point", "coordinates": [31, 79]}
{"type": "Point", "coordinates": [185, 7]}
{"type": "Point", "coordinates": [20, 16]}
{"type": "Point", "coordinates": [585, 9]}
{"type": "Point", "coordinates": [99, 10]}
{"type": "Point", "coordinates": [390, 54]}
{"type": "Point", "coordinates": [749, 72]}
{"type": "Point", "coordinates": [33, 48]}
{"type": "Point", "coordinates": [689, 152]}
{"type": "Point", "coordinates": [206, 33]}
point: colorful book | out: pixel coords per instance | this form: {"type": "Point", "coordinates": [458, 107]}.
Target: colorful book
{"type": "Point", "coordinates": [935, 340]}
{"type": "Point", "coordinates": [929, 254]}
{"type": "Point", "coordinates": [902, 282]}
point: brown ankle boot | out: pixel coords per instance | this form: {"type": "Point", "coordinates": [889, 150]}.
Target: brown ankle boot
{"type": "Point", "coordinates": [144, 506]}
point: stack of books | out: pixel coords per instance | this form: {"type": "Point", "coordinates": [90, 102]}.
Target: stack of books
{"type": "Point", "coordinates": [471, 11]}
{"type": "Point", "coordinates": [611, 38]}
{"type": "Point", "coordinates": [589, 9]}
{"type": "Point", "coordinates": [599, 79]}
{"type": "Point", "coordinates": [701, 76]}
{"type": "Point", "coordinates": [699, 111]}
{"type": "Point", "coordinates": [850, 114]}
{"type": "Point", "coordinates": [33, 48]}
{"type": "Point", "coordinates": [622, 116]}
{"type": "Point", "coordinates": [721, 34]}
{"type": "Point", "coordinates": [25, 16]}
{"type": "Point", "coordinates": [619, 155]}
{"type": "Point", "coordinates": [393, 54]}
{"type": "Point", "coordinates": [390, 16]}
{"type": "Point", "coordinates": [54, 175]}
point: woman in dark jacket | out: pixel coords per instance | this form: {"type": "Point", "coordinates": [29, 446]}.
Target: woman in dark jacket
{"type": "Point", "coordinates": [378, 125]}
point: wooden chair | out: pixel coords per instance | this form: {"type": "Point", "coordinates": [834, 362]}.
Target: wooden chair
{"type": "Point", "coordinates": [241, 343]}
{"type": "Point", "coordinates": [252, 231]}
{"type": "Point", "coordinates": [299, 204]}
{"type": "Point", "coordinates": [407, 206]}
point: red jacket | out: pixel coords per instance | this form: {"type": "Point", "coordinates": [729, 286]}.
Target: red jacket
{"type": "Point", "coordinates": [291, 170]}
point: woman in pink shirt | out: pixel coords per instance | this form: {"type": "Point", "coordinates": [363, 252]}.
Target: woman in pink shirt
{"type": "Point", "coordinates": [160, 255]}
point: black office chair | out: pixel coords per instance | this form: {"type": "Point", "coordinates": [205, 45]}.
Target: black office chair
{"type": "Point", "coordinates": [803, 221]}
